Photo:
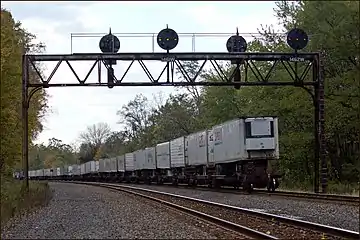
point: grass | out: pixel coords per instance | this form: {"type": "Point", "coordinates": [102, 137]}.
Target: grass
{"type": "Point", "coordinates": [332, 188]}
{"type": "Point", "coordinates": [15, 200]}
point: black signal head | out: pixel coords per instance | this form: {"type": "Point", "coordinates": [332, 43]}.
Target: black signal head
{"type": "Point", "coordinates": [109, 43]}
{"type": "Point", "coordinates": [236, 43]}
{"type": "Point", "coordinates": [297, 39]}
{"type": "Point", "coordinates": [167, 39]}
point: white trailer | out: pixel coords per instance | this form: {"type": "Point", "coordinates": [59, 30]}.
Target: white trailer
{"type": "Point", "coordinates": [139, 159]}
{"type": "Point", "coordinates": [211, 157]}
{"type": "Point", "coordinates": [102, 165]}
{"type": "Point", "coordinates": [262, 137]}
{"type": "Point", "coordinates": [149, 162]}
{"type": "Point", "coordinates": [197, 150]}
{"type": "Point", "coordinates": [228, 143]}
{"type": "Point", "coordinates": [31, 173]}
{"type": "Point", "coordinates": [163, 155]}
{"type": "Point", "coordinates": [88, 167]}
{"type": "Point", "coordinates": [47, 172]}
{"type": "Point", "coordinates": [66, 170]}
{"type": "Point", "coordinates": [70, 170]}
{"type": "Point", "coordinates": [82, 169]}
{"type": "Point", "coordinates": [121, 163]}
{"type": "Point", "coordinates": [60, 171]}
{"type": "Point", "coordinates": [113, 165]}
{"type": "Point", "coordinates": [93, 166]}
{"type": "Point", "coordinates": [97, 166]}
{"type": "Point", "coordinates": [76, 170]}
{"type": "Point", "coordinates": [129, 162]}
{"type": "Point", "coordinates": [40, 173]}
{"type": "Point", "coordinates": [241, 150]}
{"type": "Point", "coordinates": [107, 165]}
{"type": "Point", "coordinates": [177, 151]}
{"type": "Point", "coordinates": [244, 139]}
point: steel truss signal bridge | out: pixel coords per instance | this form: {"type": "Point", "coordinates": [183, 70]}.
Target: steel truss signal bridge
{"type": "Point", "coordinates": [167, 40]}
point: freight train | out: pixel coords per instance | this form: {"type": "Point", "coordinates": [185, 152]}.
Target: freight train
{"type": "Point", "coordinates": [235, 153]}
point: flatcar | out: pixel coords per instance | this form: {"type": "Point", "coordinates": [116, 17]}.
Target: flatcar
{"type": "Point", "coordinates": [235, 153]}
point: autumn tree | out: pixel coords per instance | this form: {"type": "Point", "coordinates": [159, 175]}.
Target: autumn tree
{"type": "Point", "coordinates": [135, 115]}
{"type": "Point", "coordinates": [15, 42]}
{"type": "Point", "coordinates": [93, 138]}
{"type": "Point", "coordinates": [115, 144]}
{"type": "Point", "coordinates": [55, 154]}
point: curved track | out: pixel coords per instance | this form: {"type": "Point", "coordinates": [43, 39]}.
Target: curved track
{"type": "Point", "coordinates": [284, 227]}
{"type": "Point", "coordinates": [346, 199]}
{"type": "Point", "coordinates": [341, 199]}
{"type": "Point", "coordinates": [236, 228]}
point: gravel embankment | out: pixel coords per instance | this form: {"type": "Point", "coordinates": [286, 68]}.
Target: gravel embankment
{"type": "Point", "coordinates": [269, 226]}
{"type": "Point", "coordinates": [79, 211]}
{"type": "Point", "coordinates": [337, 215]}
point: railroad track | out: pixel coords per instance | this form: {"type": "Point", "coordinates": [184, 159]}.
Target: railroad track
{"type": "Point", "coordinates": [346, 199]}
{"type": "Point", "coordinates": [341, 199]}
{"type": "Point", "coordinates": [243, 221]}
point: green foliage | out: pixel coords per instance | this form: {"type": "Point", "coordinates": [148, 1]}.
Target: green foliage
{"type": "Point", "coordinates": [15, 42]}
{"type": "Point", "coordinates": [55, 154]}
{"type": "Point", "coordinates": [14, 198]}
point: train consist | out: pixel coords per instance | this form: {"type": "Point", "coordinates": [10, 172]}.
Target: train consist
{"type": "Point", "coordinates": [235, 153]}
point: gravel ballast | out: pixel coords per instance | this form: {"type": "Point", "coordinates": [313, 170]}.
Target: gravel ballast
{"type": "Point", "coordinates": [337, 215]}
{"type": "Point", "coordinates": [79, 211]}
{"type": "Point", "coordinates": [269, 226]}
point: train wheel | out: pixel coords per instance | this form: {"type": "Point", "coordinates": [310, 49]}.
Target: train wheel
{"type": "Point", "coordinates": [248, 187]}
{"type": "Point", "coordinates": [174, 182]}
{"type": "Point", "coordinates": [195, 183]}
{"type": "Point", "coordinates": [271, 185]}
{"type": "Point", "coordinates": [190, 182]}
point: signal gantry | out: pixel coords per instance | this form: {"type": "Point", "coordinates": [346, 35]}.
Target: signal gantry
{"type": "Point", "coordinates": [168, 39]}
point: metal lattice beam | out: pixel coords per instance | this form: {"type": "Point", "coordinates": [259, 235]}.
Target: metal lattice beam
{"type": "Point", "coordinates": [173, 61]}
{"type": "Point", "coordinates": [183, 56]}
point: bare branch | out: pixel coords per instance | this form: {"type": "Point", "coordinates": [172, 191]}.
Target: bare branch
{"type": "Point", "coordinates": [96, 134]}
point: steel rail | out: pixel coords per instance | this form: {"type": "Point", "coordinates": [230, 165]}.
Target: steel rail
{"type": "Point", "coordinates": [239, 229]}
{"type": "Point", "coordinates": [295, 222]}
{"type": "Point", "coordinates": [301, 195]}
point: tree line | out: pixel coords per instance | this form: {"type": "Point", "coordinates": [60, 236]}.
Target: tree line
{"type": "Point", "coordinates": [333, 30]}
{"type": "Point", "coordinates": [16, 41]}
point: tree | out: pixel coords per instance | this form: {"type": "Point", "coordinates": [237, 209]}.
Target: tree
{"type": "Point", "coordinates": [55, 154]}
{"type": "Point", "coordinates": [93, 138]}
{"type": "Point", "coordinates": [114, 144]}
{"type": "Point", "coordinates": [96, 134]}
{"type": "Point", "coordinates": [135, 115]}
{"type": "Point", "coordinates": [177, 117]}
{"type": "Point", "coordinates": [87, 152]}
{"type": "Point", "coordinates": [189, 72]}
{"type": "Point", "coordinates": [15, 41]}
{"type": "Point", "coordinates": [333, 27]}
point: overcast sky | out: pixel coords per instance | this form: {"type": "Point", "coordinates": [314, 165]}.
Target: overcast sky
{"type": "Point", "coordinates": [72, 109]}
